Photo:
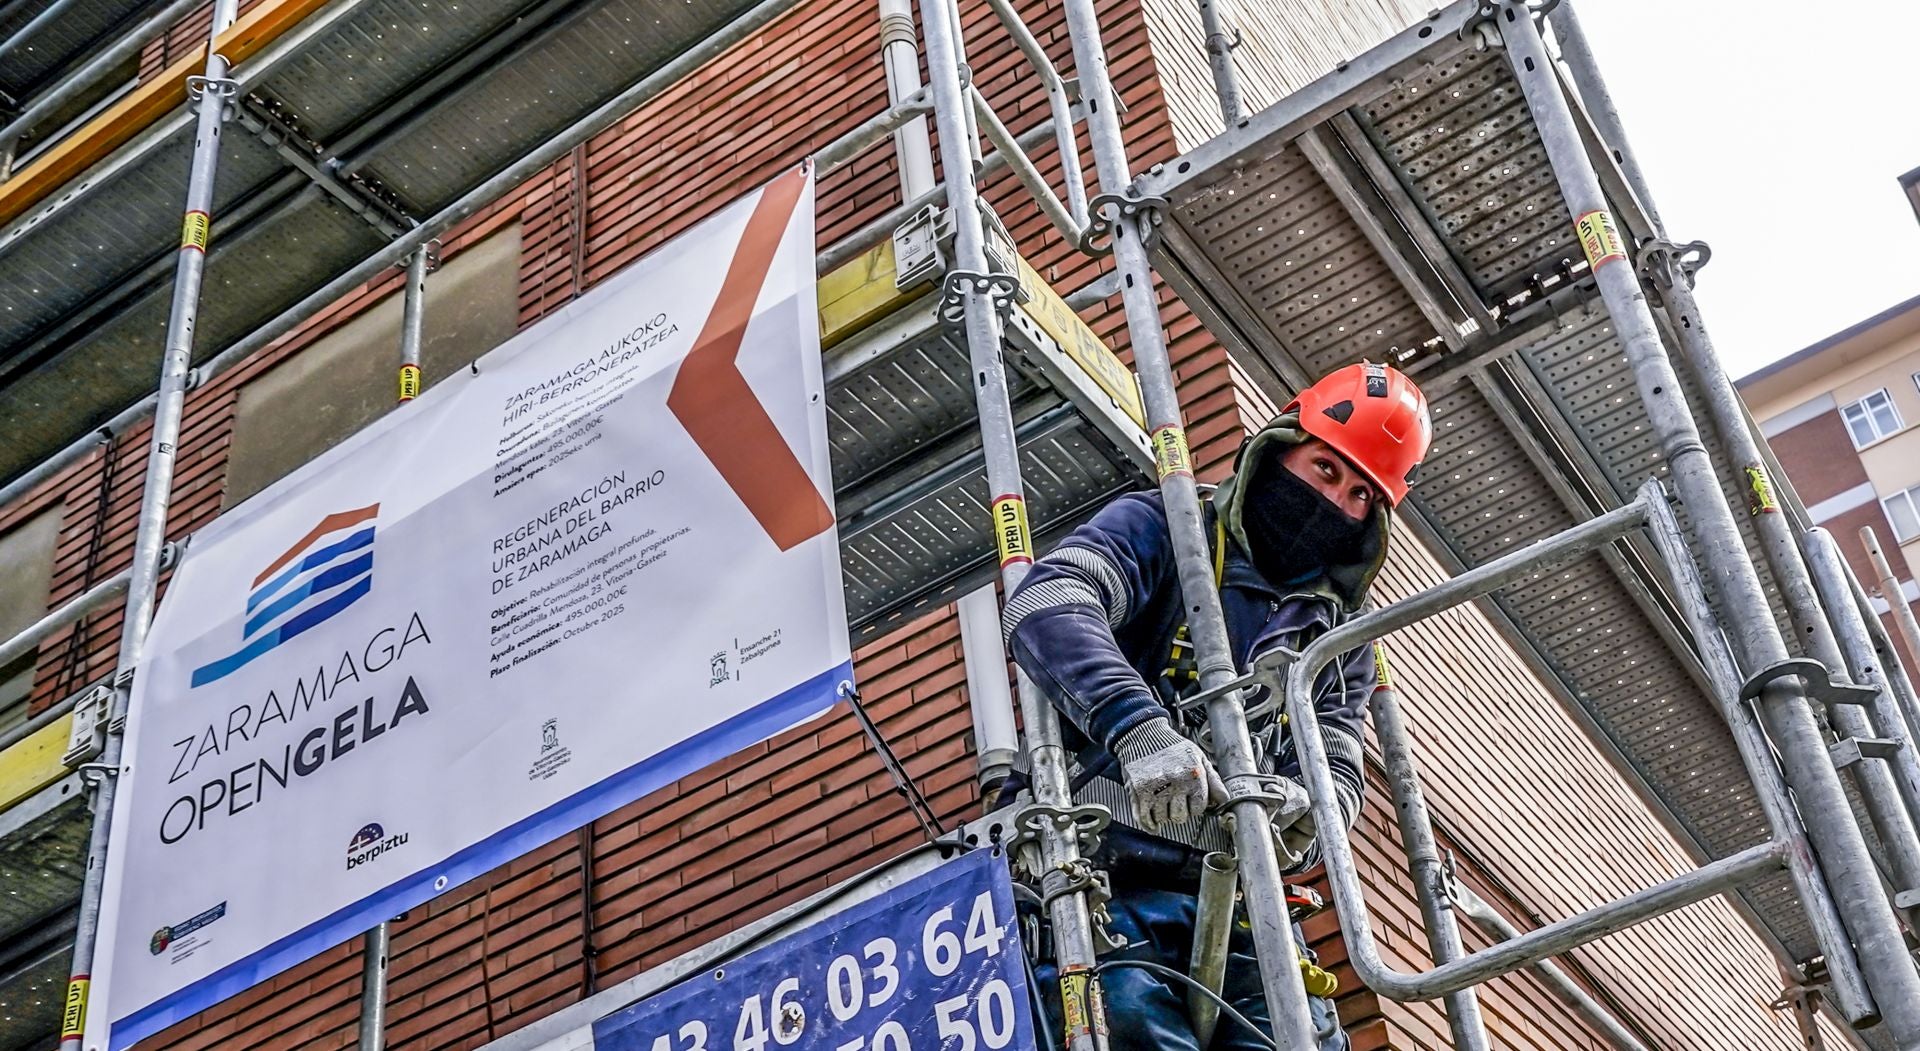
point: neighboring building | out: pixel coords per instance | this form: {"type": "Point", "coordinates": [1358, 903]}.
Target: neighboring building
{"type": "Point", "coordinates": [1541, 823]}
{"type": "Point", "coordinates": [1843, 416]}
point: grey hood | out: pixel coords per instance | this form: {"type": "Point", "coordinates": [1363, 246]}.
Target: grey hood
{"type": "Point", "coordinates": [1346, 585]}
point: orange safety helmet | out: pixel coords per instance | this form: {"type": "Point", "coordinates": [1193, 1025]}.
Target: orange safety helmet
{"type": "Point", "coordinates": [1375, 417]}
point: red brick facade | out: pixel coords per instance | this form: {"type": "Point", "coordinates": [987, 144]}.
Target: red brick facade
{"type": "Point", "coordinates": [791, 816]}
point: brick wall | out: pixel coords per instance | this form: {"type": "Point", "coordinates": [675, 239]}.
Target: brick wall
{"type": "Point", "coordinates": [793, 815]}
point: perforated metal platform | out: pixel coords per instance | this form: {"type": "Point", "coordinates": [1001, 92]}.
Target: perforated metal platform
{"type": "Point", "coordinates": [367, 91]}
{"type": "Point", "coordinates": [43, 856]}
{"type": "Point", "coordinates": [909, 478]}
{"type": "Point", "coordinates": [1402, 209]}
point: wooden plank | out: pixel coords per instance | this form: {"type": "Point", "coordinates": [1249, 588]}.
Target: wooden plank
{"type": "Point", "coordinates": [33, 763]}
{"type": "Point", "coordinates": [145, 105]}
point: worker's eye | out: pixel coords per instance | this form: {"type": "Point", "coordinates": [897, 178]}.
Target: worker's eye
{"type": "Point", "coordinates": [1325, 466]}
{"type": "Point", "coordinates": [1363, 494]}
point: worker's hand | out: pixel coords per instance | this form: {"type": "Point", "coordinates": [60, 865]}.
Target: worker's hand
{"type": "Point", "coordinates": [1167, 775]}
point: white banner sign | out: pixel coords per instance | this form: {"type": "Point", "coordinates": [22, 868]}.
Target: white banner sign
{"type": "Point", "coordinates": [601, 560]}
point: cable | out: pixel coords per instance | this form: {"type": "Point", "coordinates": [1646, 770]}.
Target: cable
{"type": "Point", "coordinates": [1040, 1019]}
{"type": "Point", "coordinates": [1188, 980]}
{"type": "Point", "coordinates": [916, 800]}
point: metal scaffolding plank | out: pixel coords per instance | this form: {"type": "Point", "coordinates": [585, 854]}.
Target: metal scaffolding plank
{"type": "Point", "coordinates": [909, 479]}
{"type": "Point", "coordinates": [371, 90]}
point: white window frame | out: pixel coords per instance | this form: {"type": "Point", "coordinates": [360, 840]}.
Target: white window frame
{"type": "Point", "coordinates": [1909, 501]}
{"type": "Point", "coordinates": [1861, 412]}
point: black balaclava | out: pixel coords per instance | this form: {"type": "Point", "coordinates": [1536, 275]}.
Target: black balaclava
{"type": "Point", "coordinates": [1293, 531]}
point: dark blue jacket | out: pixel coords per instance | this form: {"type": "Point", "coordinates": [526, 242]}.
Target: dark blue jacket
{"type": "Point", "coordinates": [1093, 625]}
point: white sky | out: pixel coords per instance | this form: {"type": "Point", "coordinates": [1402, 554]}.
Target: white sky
{"type": "Point", "coordinates": [1776, 133]}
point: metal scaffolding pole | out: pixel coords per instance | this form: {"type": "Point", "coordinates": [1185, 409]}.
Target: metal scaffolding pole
{"type": "Point", "coordinates": [989, 701]}
{"type": "Point", "coordinates": [1220, 45]}
{"type": "Point", "coordinates": [1783, 699]}
{"type": "Point", "coordinates": [1850, 995]}
{"type": "Point", "coordinates": [373, 991]}
{"type": "Point", "coordinates": [1424, 864]}
{"type": "Point", "coordinates": [977, 296]}
{"type": "Point", "coordinates": [79, 606]}
{"type": "Point", "coordinates": [1577, 53]}
{"type": "Point", "coordinates": [1489, 920]}
{"type": "Point", "coordinates": [1671, 269]}
{"type": "Point", "coordinates": [212, 93]}
{"type": "Point", "coordinates": [1889, 657]}
{"type": "Point", "coordinates": [1892, 592]}
{"type": "Point", "coordinates": [1676, 264]}
{"type": "Point", "coordinates": [413, 311]}
{"type": "Point", "coordinates": [373, 968]}
{"type": "Point", "coordinates": [1250, 792]}
{"type": "Point", "coordinates": [1883, 744]}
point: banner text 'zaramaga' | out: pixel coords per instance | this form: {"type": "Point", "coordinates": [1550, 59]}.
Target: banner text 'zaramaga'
{"type": "Point", "coordinates": [355, 704]}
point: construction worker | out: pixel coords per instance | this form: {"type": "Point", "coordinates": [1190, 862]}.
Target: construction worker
{"type": "Point", "coordinates": [1298, 534]}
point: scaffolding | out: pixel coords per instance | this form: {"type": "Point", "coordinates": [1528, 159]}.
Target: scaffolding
{"type": "Point", "coordinates": [1514, 271]}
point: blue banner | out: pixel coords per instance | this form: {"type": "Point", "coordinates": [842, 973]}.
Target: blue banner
{"type": "Point", "coordinates": [934, 964]}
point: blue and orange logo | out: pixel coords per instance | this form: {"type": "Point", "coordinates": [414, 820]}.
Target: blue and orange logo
{"type": "Point", "coordinates": [328, 570]}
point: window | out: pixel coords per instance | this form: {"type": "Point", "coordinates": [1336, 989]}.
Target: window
{"type": "Point", "coordinates": [1871, 418]}
{"type": "Point", "coordinates": [344, 380]}
{"type": "Point", "coordinates": [1903, 511]}
{"type": "Point", "coordinates": [26, 573]}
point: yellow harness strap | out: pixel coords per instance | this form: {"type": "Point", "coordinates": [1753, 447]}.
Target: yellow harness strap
{"type": "Point", "coordinates": [1183, 666]}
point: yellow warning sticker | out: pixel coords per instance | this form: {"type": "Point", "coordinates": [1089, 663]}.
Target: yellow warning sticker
{"type": "Point", "coordinates": [1382, 672]}
{"type": "Point", "coordinates": [1599, 238]}
{"type": "Point", "coordinates": [1073, 1003]}
{"type": "Point", "coordinates": [1760, 498]}
{"type": "Point", "coordinates": [193, 232]}
{"type": "Point", "coordinates": [409, 382]}
{"type": "Point", "coordinates": [1010, 529]}
{"type": "Point", "coordinates": [73, 1019]}
{"type": "Point", "coordinates": [1170, 454]}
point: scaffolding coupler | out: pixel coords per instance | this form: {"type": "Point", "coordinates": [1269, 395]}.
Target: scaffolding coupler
{"type": "Point", "coordinates": [1819, 681]}
{"type": "Point", "coordinates": [1143, 213]}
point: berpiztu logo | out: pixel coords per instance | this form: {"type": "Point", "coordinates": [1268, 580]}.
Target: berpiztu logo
{"type": "Point", "coordinates": [328, 570]}
{"type": "Point", "coordinates": [371, 842]}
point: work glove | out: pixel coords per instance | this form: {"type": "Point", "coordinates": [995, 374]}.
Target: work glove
{"type": "Point", "coordinates": [1168, 777]}
{"type": "Point", "coordinates": [1293, 818]}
